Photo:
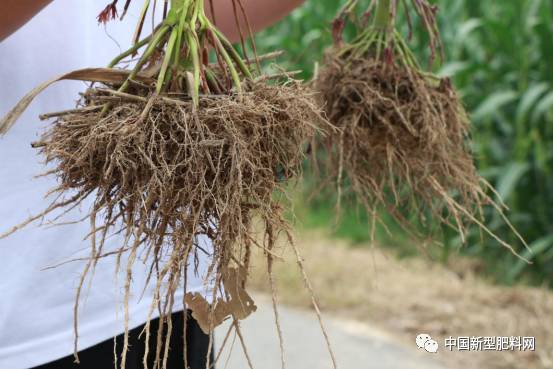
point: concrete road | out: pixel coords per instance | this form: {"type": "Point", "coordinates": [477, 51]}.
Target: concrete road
{"type": "Point", "coordinates": [356, 345]}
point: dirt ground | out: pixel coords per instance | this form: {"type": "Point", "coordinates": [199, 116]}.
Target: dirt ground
{"type": "Point", "coordinates": [411, 296]}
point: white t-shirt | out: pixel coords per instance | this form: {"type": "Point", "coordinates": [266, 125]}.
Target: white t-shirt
{"type": "Point", "coordinates": [36, 306]}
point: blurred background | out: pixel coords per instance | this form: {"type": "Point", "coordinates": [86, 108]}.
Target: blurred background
{"type": "Point", "coordinates": [499, 56]}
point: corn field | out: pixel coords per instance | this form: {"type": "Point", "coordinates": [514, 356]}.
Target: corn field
{"type": "Point", "coordinates": [499, 55]}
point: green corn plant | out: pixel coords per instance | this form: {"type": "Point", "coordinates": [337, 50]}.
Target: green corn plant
{"type": "Point", "coordinates": [499, 54]}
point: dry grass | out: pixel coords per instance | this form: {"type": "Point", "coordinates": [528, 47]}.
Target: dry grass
{"type": "Point", "coordinates": [407, 297]}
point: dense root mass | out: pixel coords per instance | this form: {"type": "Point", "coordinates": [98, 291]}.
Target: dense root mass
{"type": "Point", "coordinates": [161, 172]}
{"type": "Point", "coordinates": [402, 141]}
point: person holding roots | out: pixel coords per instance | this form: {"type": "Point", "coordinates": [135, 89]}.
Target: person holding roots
{"type": "Point", "coordinates": [41, 267]}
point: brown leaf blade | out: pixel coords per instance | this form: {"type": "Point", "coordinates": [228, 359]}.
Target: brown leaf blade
{"type": "Point", "coordinates": [103, 75]}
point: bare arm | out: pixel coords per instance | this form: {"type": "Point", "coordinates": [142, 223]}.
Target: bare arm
{"type": "Point", "coordinates": [15, 13]}
{"type": "Point", "coordinates": [261, 13]}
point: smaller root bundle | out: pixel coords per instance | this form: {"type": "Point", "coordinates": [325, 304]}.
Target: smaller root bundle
{"type": "Point", "coordinates": [401, 140]}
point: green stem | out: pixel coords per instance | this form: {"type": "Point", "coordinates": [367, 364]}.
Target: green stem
{"type": "Point", "coordinates": [383, 19]}
{"type": "Point", "coordinates": [212, 81]}
{"type": "Point", "coordinates": [156, 40]}
{"type": "Point", "coordinates": [193, 45]}
{"type": "Point", "coordinates": [149, 51]}
{"type": "Point", "coordinates": [348, 7]}
{"type": "Point", "coordinates": [171, 44]}
{"type": "Point", "coordinates": [181, 26]}
{"type": "Point", "coordinates": [141, 20]}
{"type": "Point", "coordinates": [130, 51]}
{"type": "Point", "coordinates": [380, 41]}
{"type": "Point", "coordinates": [233, 54]}
{"type": "Point", "coordinates": [233, 72]}
{"type": "Point", "coordinates": [408, 55]}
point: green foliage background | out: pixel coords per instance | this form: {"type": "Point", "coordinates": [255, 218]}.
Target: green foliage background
{"type": "Point", "coordinates": [500, 56]}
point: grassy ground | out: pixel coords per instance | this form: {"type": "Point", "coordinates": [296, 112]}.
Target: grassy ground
{"type": "Point", "coordinates": [413, 295]}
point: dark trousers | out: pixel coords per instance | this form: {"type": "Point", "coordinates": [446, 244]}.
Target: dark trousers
{"type": "Point", "coordinates": [102, 356]}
